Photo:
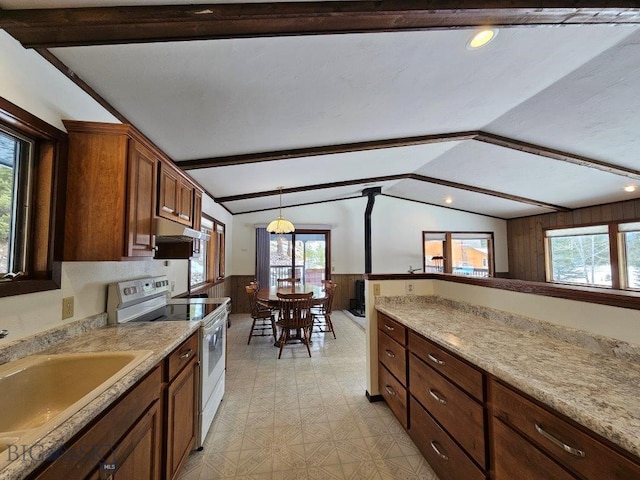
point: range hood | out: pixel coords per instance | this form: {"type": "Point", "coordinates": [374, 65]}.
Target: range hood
{"type": "Point", "coordinates": [172, 232]}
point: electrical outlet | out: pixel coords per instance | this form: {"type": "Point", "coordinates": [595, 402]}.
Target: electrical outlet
{"type": "Point", "coordinates": [376, 289]}
{"type": "Point", "coordinates": [67, 307]}
{"type": "Point", "coordinates": [409, 288]}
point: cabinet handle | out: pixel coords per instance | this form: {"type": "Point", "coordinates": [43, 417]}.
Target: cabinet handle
{"type": "Point", "coordinates": [167, 209]}
{"type": "Point", "coordinates": [438, 449]}
{"type": "Point", "coordinates": [390, 354]}
{"type": "Point", "coordinates": [435, 359]}
{"type": "Point", "coordinates": [438, 396]}
{"type": "Point", "coordinates": [183, 216]}
{"type": "Point", "coordinates": [390, 390]}
{"type": "Point", "coordinates": [567, 448]}
{"type": "Point", "coordinates": [389, 327]}
{"type": "Point", "coordinates": [187, 354]}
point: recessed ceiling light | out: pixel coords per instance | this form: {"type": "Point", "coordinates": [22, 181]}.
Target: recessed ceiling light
{"type": "Point", "coordinates": [630, 188]}
{"type": "Point", "coordinates": [481, 38]}
{"type": "Point", "coordinates": [448, 200]}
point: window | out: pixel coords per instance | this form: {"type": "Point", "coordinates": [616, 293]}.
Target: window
{"type": "Point", "coordinates": [16, 159]}
{"type": "Point", "coordinates": [630, 240]}
{"type": "Point", "coordinates": [31, 202]}
{"type": "Point", "coordinates": [207, 263]}
{"type": "Point", "coordinates": [595, 255]}
{"type": "Point", "coordinates": [460, 253]}
{"type": "Point", "coordinates": [580, 255]}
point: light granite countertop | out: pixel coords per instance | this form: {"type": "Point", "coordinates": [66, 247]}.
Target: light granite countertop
{"type": "Point", "coordinates": [598, 390]}
{"type": "Point", "coordinates": [159, 337]}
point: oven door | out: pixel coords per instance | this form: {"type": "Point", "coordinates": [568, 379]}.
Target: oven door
{"type": "Point", "coordinates": [213, 357]}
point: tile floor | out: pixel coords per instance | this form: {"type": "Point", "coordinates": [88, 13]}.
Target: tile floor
{"type": "Point", "coordinates": [303, 418]}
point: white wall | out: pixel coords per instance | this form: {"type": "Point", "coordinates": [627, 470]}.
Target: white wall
{"type": "Point", "coordinates": [396, 231]}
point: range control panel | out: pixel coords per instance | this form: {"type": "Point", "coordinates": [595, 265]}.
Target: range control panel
{"type": "Point", "coordinates": [129, 292]}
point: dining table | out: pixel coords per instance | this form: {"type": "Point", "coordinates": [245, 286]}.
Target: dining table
{"type": "Point", "coordinates": [269, 297]}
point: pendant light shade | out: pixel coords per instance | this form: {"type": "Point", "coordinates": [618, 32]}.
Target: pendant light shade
{"type": "Point", "coordinates": [280, 225]}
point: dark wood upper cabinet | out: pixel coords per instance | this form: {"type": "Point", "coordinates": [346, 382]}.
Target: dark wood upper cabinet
{"type": "Point", "coordinates": [175, 196]}
{"type": "Point", "coordinates": [111, 193]}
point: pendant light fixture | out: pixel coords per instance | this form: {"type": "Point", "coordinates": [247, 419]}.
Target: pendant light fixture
{"type": "Point", "coordinates": [280, 225]}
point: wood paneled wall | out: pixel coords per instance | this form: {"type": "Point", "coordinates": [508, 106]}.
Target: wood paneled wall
{"type": "Point", "coordinates": [525, 236]}
{"type": "Point", "coordinates": [344, 291]}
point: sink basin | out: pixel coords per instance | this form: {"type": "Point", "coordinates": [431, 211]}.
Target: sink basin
{"type": "Point", "coordinates": [40, 392]}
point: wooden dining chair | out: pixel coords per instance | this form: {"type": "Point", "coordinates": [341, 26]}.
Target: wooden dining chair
{"type": "Point", "coordinates": [287, 282]}
{"type": "Point", "coordinates": [264, 322]}
{"type": "Point", "coordinates": [322, 312]}
{"type": "Point", "coordinates": [295, 314]}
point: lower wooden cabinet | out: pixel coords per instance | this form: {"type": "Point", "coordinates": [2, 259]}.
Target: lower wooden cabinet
{"type": "Point", "coordinates": [559, 441]}
{"type": "Point", "coordinates": [181, 407]}
{"type": "Point", "coordinates": [446, 458]}
{"type": "Point", "coordinates": [126, 438]}
{"type": "Point", "coordinates": [146, 435]}
{"type": "Point", "coordinates": [471, 426]}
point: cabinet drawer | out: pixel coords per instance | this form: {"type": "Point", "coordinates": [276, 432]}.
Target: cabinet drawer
{"type": "Point", "coordinates": [393, 356]}
{"type": "Point", "coordinates": [443, 455]}
{"type": "Point", "coordinates": [394, 394]}
{"type": "Point", "coordinates": [392, 328]}
{"type": "Point", "coordinates": [457, 412]}
{"type": "Point", "coordinates": [456, 370]}
{"type": "Point", "coordinates": [590, 458]}
{"type": "Point", "coordinates": [514, 457]}
{"type": "Point", "coordinates": [182, 355]}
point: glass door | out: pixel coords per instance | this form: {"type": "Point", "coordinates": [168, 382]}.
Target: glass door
{"type": "Point", "coordinates": [302, 254]}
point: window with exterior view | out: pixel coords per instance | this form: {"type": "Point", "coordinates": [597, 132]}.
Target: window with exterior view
{"type": "Point", "coordinates": [630, 233]}
{"type": "Point", "coordinates": [460, 253]}
{"type": "Point", "coordinates": [14, 174]}
{"type": "Point", "coordinates": [580, 255]}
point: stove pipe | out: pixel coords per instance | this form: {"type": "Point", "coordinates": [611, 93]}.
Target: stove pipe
{"type": "Point", "coordinates": [371, 194]}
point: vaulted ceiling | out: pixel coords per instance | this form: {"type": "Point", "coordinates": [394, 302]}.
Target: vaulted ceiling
{"type": "Point", "coordinates": [326, 99]}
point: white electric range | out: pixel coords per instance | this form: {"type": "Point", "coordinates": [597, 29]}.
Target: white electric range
{"type": "Point", "coordinates": [147, 300]}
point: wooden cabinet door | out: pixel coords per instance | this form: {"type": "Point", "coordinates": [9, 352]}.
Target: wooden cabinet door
{"type": "Point", "coordinates": [181, 418]}
{"type": "Point", "coordinates": [197, 210]}
{"type": "Point", "coordinates": [138, 455]}
{"type": "Point", "coordinates": [141, 201]}
{"type": "Point", "coordinates": [185, 212]}
{"type": "Point", "coordinates": [169, 186]}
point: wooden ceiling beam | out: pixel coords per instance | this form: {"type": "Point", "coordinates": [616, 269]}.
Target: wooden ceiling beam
{"type": "Point", "coordinates": [227, 161]}
{"type": "Point", "coordinates": [557, 155]}
{"type": "Point", "coordinates": [307, 188]}
{"type": "Point", "coordinates": [485, 191]}
{"type": "Point", "coordinates": [404, 176]}
{"type": "Point", "coordinates": [44, 28]}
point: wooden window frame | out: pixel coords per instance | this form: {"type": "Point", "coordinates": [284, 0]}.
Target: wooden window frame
{"type": "Point", "coordinates": [447, 249]}
{"type": "Point", "coordinates": [215, 257]}
{"type": "Point", "coordinates": [619, 279]}
{"type": "Point", "coordinates": [46, 222]}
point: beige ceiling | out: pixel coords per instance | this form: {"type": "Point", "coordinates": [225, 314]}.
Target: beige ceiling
{"type": "Point", "coordinates": [570, 91]}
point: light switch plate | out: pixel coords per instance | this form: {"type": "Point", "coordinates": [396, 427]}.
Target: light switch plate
{"type": "Point", "coordinates": [376, 289]}
{"type": "Point", "coordinates": [409, 288]}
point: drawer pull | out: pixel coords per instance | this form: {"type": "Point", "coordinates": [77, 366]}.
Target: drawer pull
{"type": "Point", "coordinates": [567, 448]}
{"type": "Point", "coordinates": [438, 449]}
{"type": "Point", "coordinates": [389, 327]}
{"type": "Point", "coordinates": [438, 396]}
{"type": "Point", "coordinates": [435, 359]}
{"type": "Point", "coordinates": [390, 354]}
{"type": "Point", "coordinates": [187, 354]}
{"type": "Point", "coordinates": [390, 390]}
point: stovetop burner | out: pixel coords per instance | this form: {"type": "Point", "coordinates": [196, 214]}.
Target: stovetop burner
{"type": "Point", "coordinates": [179, 312]}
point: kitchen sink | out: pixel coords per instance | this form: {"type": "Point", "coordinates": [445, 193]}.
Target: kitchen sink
{"type": "Point", "coordinates": [40, 392]}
